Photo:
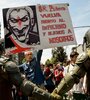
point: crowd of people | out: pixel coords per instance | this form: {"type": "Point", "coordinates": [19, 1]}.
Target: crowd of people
{"type": "Point", "coordinates": [32, 80]}
{"type": "Point", "coordinates": [48, 76]}
{"type": "Point", "coordinates": [18, 81]}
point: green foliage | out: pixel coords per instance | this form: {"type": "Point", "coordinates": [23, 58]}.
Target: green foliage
{"type": "Point", "coordinates": [58, 55]}
{"type": "Point", "coordinates": [48, 62]}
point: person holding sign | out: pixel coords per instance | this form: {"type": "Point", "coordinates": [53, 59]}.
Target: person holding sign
{"type": "Point", "coordinates": [10, 75]}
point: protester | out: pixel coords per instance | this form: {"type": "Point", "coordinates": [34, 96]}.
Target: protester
{"type": "Point", "coordinates": [58, 73]}
{"type": "Point", "coordinates": [49, 84]}
{"type": "Point", "coordinates": [70, 66]}
{"type": "Point", "coordinates": [31, 68]}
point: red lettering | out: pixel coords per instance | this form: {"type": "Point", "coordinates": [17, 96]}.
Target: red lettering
{"type": "Point", "coordinates": [48, 21]}
{"type": "Point", "coordinates": [52, 8]}
{"type": "Point", "coordinates": [42, 8]}
{"type": "Point", "coordinates": [44, 33]}
{"type": "Point", "coordinates": [69, 31]}
{"type": "Point", "coordinates": [56, 32]}
{"type": "Point", "coordinates": [56, 8]}
{"type": "Point", "coordinates": [50, 15]}
{"type": "Point", "coordinates": [61, 39]}
{"type": "Point", "coordinates": [61, 20]}
{"type": "Point", "coordinates": [55, 26]}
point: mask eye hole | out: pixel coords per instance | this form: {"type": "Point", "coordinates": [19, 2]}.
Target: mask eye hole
{"type": "Point", "coordinates": [13, 20]}
{"type": "Point", "coordinates": [25, 18]}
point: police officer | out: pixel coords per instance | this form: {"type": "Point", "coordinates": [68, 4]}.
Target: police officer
{"type": "Point", "coordinates": [81, 68]}
{"type": "Point", "coordinates": [10, 75]}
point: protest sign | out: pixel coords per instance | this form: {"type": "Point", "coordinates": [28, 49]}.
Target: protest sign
{"type": "Point", "coordinates": [38, 27]}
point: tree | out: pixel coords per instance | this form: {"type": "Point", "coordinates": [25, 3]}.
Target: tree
{"type": "Point", "coordinates": [48, 62]}
{"type": "Point", "coordinates": [58, 55]}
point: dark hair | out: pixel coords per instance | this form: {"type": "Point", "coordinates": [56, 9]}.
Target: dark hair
{"type": "Point", "coordinates": [72, 54]}
{"type": "Point", "coordinates": [48, 65]}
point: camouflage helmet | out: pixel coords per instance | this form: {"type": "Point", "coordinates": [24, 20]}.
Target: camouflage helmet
{"type": "Point", "coordinates": [86, 40]}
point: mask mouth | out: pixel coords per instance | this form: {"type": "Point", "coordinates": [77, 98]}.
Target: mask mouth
{"type": "Point", "coordinates": [21, 38]}
{"type": "Point", "coordinates": [21, 35]}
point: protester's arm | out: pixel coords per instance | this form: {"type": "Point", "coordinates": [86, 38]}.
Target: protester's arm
{"type": "Point", "coordinates": [39, 54]}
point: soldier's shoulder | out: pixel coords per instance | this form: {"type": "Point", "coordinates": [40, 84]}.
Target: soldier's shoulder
{"type": "Point", "coordinates": [3, 60]}
{"type": "Point", "coordinates": [11, 66]}
{"type": "Point", "coordinates": [82, 57]}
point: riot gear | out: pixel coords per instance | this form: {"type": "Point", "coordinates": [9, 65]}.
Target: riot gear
{"type": "Point", "coordinates": [86, 40]}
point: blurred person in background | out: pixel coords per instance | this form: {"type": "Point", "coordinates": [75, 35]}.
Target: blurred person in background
{"type": "Point", "coordinates": [48, 74]}
{"type": "Point", "coordinates": [58, 73]}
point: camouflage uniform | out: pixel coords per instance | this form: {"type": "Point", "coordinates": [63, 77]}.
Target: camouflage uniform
{"type": "Point", "coordinates": [82, 67]}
